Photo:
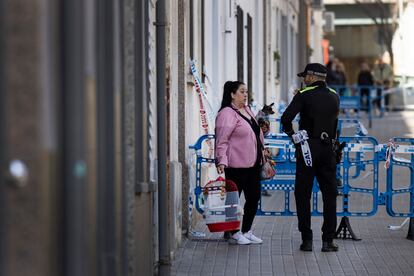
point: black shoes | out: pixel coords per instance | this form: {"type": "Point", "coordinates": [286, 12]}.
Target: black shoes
{"type": "Point", "coordinates": [306, 245]}
{"type": "Point", "coordinates": [326, 246]}
{"type": "Point", "coordinates": [329, 247]}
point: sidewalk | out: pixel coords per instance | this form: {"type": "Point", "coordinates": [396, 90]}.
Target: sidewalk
{"type": "Point", "coordinates": [380, 252]}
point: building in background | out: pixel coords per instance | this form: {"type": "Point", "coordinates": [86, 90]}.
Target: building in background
{"type": "Point", "coordinates": [364, 30]}
{"type": "Point", "coordinates": [402, 41]}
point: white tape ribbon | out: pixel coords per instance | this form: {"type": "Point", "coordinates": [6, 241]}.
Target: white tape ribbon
{"type": "Point", "coordinates": [205, 105]}
{"type": "Point", "coordinates": [306, 153]}
{"type": "Point", "coordinates": [302, 137]}
{"type": "Point", "coordinates": [206, 114]}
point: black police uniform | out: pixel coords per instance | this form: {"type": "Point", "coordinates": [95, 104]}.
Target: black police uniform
{"type": "Point", "coordinates": [318, 107]}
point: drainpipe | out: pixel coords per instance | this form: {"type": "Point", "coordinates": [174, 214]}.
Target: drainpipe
{"type": "Point", "coordinates": [163, 190]}
{"type": "Point", "coordinates": [3, 204]}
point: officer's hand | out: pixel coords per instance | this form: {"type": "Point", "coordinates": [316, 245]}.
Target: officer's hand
{"type": "Point", "coordinates": [220, 169]}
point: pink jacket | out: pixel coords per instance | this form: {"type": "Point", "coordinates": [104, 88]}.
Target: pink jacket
{"type": "Point", "coordinates": [236, 145]}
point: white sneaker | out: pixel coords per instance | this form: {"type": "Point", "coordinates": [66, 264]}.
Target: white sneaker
{"type": "Point", "coordinates": [239, 238]}
{"type": "Point", "coordinates": [249, 235]}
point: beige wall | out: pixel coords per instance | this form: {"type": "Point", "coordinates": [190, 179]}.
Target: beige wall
{"type": "Point", "coordinates": [353, 45]}
{"type": "Point", "coordinates": [355, 41]}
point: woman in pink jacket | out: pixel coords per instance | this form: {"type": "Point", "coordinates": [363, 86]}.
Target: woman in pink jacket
{"type": "Point", "coordinates": [239, 153]}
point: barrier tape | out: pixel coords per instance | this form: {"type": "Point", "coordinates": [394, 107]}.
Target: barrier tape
{"type": "Point", "coordinates": [301, 138]}
{"type": "Point", "coordinates": [284, 179]}
{"type": "Point", "coordinates": [389, 153]}
{"type": "Point", "coordinates": [202, 93]}
{"type": "Point", "coordinates": [359, 147]}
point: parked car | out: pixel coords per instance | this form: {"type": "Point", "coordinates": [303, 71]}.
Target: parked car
{"type": "Point", "coordinates": [402, 97]}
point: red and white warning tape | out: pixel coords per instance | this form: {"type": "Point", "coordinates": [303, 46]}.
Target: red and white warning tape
{"type": "Point", "coordinates": [391, 147]}
{"type": "Point", "coordinates": [206, 117]}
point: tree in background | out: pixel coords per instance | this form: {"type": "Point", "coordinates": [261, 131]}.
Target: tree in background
{"type": "Point", "coordinates": [381, 16]}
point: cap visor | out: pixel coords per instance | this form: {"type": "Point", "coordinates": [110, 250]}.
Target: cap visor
{"type": "Point", "coordinates": [302, 74]}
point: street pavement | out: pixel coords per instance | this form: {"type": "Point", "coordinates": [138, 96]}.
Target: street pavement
{"type": "Point", "coordinates": [380, 252]}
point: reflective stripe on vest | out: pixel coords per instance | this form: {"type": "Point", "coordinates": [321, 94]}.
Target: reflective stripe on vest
{"type": "Point", "coordinates": [313, 87]}
{"type": "Point", "coordinates": [308, 88]}
{"type": "Point", "coordinates": [332, 90]}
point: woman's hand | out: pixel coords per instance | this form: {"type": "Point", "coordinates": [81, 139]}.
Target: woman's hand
{"type": "Point", "coordinates": [220, 169]}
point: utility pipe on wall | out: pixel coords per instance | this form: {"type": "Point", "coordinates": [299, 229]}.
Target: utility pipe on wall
{"type": "Point", "coordinates": [163, 189]}
{"type": "Point", "coordinates": [3, 236]}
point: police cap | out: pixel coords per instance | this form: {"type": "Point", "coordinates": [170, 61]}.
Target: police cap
{"type": "Point", "coordinates": [314, 69]}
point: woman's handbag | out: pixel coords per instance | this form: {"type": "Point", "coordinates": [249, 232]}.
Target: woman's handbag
{"type": "Point", "coordinates": [222, 197]}
{"type": "Point", "coordinates": [268, 169]}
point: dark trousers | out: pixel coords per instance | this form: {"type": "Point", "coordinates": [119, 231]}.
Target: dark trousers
{"type": "Point", "coordinates": [377, 102]}
{"type": "Point", "coordinates": [387, 102]}
{"type": "Point", "coordinates": [323, 168]}
{"type": "Point", "coordinates": [247, 181]}
{"type": "Point", "coordinates": [365, 98]}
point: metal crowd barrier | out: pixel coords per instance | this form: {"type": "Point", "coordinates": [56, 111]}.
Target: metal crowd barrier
{"type": "Point", "coordinates": [361, 98]}
{"type": "Point", "coordinates": [369, 147]}
{"type": "Point", "coordinates": [284, 180]}
{"type": "Point", "coordinates": [402, 146]}
{"type": "Point", "coordinates": [360, 153]}
{"type": "Point", "coordinates": [200, 159]}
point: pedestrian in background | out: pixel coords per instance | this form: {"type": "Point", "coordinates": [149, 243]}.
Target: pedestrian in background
{"type": "Point", "coordinates": [383, 76]}
{"type": "Point", "coordinates": [332, 78]}
{"type": "Point", "coordinates": [341, 78]}
{"type": "Point", "coordinates": [365, 79]}
{"type": "Point", "coordinates": [318, 107]}
{"type": "Point", "coordinates": [239, 153]}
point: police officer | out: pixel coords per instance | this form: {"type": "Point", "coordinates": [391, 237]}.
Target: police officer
{"type": "Point", "coordinates": [318, 106]}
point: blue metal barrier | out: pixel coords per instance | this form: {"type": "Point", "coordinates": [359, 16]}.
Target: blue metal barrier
{"type": "Point", "coordinates": [348, 103]}
{"type": "Point", "coordinates": [358, 145]}
{"type": "Point", "coordinates": [360, 152]}
{"type": "Point", "coordinates": [359, 130]}
{"type": "Point", "coordinates": [361, 98]}
{"type": "Point", "coordinates": [198, 190]}
{"type": "Point", "coordinates": [403, 146]}
{"type": "Point", "coordinates": [286, 167]}
{"type": "Point", "coordinates": [284, 180]}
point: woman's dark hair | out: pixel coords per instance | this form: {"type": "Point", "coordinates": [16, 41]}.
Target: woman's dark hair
{"type": "Point", "coordinates": [229, 87]}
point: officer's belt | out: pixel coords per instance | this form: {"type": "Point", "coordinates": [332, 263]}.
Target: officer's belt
{"type": "Point", "coordinates": [318, 138]}
{"type": "Point", "coordinates": [322, 136]}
